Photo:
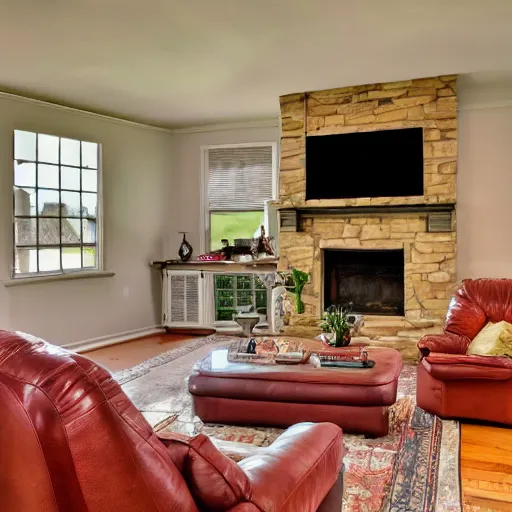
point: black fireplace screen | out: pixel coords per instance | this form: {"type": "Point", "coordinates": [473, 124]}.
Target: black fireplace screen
{"type": "Point", "coordinates": [372, 280]}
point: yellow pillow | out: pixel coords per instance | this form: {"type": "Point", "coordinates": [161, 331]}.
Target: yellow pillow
{"type": "Point", "coordinates": [493, 340]}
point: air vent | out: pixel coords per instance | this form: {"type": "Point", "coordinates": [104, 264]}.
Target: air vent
{"type": "Point", "coordinates": [440, 222]}
{"type": "Point", "coordinates": [288, 220]}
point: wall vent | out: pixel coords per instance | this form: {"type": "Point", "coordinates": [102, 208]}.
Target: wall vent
{"type": "Point", "coordinates": [440, 222]}
{"type": "Point", "coordinates": [288, 220]}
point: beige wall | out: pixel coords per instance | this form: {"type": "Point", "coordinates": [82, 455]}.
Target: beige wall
{"type": "Point", "coordinates": [186, 191]}
{"type": "Point", "coordinates": [136, 183]}
{"type": "Point", "coordinates": [484, 190]}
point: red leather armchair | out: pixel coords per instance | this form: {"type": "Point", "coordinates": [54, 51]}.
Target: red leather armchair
{"type": "Point", "coordinates": [452, 384]}
{"type": "Point", "coordinates": [71, 440]}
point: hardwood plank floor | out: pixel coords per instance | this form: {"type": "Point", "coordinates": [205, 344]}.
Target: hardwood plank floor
{"type": "Point", "coordinates": [125, 355]}
{"type": "Point", "coordinates": [486, 452]}
{"type": "Point", "coordinates": [486, 467]}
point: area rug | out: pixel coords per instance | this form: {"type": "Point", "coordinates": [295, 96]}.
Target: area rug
{"type": "Point", "coordinates": [414, 468]}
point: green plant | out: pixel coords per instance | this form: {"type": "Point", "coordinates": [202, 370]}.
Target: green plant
{"type": "Point", "coordinates": [300, 278]}
{"type": "Point", "coordinates": [335, 320]}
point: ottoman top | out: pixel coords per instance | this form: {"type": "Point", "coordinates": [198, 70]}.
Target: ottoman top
{"type": "Point", "coordinates": [388, 365]}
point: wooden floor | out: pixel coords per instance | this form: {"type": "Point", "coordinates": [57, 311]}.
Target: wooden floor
{"type": "Point", "coordinates": [125, 355]}
{"type": "Point", "coordinates": [486, 467]}
{"type": "Point", "coordinates": [486, 452]}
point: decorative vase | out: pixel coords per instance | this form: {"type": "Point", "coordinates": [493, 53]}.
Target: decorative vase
{"type": "Point", "coordinates": [185, 251]}
{"type": "Point", "coordinates": [342, 339]}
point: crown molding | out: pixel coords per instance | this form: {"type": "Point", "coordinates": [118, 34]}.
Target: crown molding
{"type": "Point", "coordinates": [272, 122]}
{"type": "Point", "coordinates": [486, 105]}
{"type": "Point", "coordinates": [260, 123]}
{"type": "Point", "coordinates": [88, 113]}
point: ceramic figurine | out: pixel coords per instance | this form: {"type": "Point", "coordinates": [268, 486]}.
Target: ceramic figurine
{"type": "Point", "coordinates": [185, 251]}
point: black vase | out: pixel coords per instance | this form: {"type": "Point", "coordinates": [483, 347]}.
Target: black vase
{"type": "Point", "coordinates": [185, 252]}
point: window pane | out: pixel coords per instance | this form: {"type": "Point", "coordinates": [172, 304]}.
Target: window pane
{"type": "Point", "coordinates": [49, 259]}
{"type": "Point", "coordinates": [47, 149]}
{"type": "Point", "coordinates": [258, 283]}
{"type": "Point", "coordinates": [70, 178]}
{"type": "Point", "coordinates": [24, 145]}
{"type": "Point", "coordinates": [25, 175]}
{"type": "Point", "coordinates": [48, 202]}
{"type": "Point", "coordinates": [71, 258]}
{"type": "Point", "coordinates": [71, 203]}
{"type": "Point", "coordinates": [89, 205]}
{"type": "Point", "coordinates": [244, 282]}
{"type": "Point", "coordinates": [25, 231]}
{"type": "Point", "coordinates": [234, 225]}
{"type": "Point", "coordinates": [25, 260]}
{"type": "Point", "coordinates": [89, 231]}
{"type": "Point", "coordinates": [89, 180]}
{"type": "Point", "coordinates": [224, 314]}
{"type": "Point", "coordinates": [90, 155]}
{"type": "Point", "coordinates": [70, 152]}
{"type": "Point", "coordinates": [225, 299]}
{"type": "Point", "coordinates": [47, 176]}
{"type": "Point", "coordinates": [70, 231]}
{"type": "Point", "coordinates": [49, 232]}
{"type": "Point", "coordinates": [261, 299]}
{"type": "Point", "coordinates": [243, 298]}
{"type": "Point", "coordinates": [89, 254]}
{"type": "Point", "coordinates": [24, 201]}
{"type": "Point", "coordinates": [223, 281]}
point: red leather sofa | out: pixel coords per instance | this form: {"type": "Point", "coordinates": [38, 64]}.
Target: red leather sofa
{"type": "Point", "coordinates": [71, 441]}
{"type": "Point", "coordinates": [452, 384]}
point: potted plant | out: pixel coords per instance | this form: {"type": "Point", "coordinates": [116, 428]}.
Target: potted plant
{"type": "Point", "coordinates": [335, 320]}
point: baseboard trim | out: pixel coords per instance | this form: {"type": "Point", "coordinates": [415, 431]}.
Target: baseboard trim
{"type": "Point", "coordinates": [113, 339]}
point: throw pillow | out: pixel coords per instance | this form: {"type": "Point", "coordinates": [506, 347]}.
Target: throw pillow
{"type": "Point", "coordinates": [216, 481]}
{"type": "Point", "coordinates": [493, 340]}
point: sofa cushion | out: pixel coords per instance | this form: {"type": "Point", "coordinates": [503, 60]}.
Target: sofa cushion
{"type": "Point", "coordinates": [493, 340]}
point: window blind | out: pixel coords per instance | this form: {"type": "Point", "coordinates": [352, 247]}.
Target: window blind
{"type": "Point", "coordinates": [239, 178]}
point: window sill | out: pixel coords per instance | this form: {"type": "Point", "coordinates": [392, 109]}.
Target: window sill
{"type": "Point", "coordinates": [58, 277]}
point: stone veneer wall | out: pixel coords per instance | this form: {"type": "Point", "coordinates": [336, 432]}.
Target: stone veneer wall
{"type": "Point", "coordinates": [430, 273]}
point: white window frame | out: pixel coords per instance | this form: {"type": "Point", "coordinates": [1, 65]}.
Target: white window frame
{"type": "Point", "coordinates": [204, 218]}
{"type": "Point", "coordinates": [98, 270]}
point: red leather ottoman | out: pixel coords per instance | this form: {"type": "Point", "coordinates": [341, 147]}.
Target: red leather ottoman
{"type": "Point", "coordinates": [278, 395]}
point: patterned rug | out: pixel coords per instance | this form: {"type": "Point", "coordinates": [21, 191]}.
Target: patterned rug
{"type": "Point", "coordinates": [414, 468]}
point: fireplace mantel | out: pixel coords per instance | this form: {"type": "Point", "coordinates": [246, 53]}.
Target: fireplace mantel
{"type": "Point", "coordinates": [291, 217]}
{"type": "Point", "coordinates": [371, 209]}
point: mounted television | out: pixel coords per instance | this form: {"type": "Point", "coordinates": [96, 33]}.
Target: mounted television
{"type": "Point", "coordinates": [386, 163]}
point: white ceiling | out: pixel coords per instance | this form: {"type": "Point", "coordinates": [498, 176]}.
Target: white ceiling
{"type": "Point", "coordinates": [189, 62]}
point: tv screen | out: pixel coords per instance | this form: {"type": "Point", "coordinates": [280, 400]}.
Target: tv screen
{"type": "Point", "coordinates": [384, 163]}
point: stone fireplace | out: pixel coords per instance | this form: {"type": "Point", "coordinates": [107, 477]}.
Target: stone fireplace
{"type": "Point", "coordinates": [352, 247]}
{"type": "Point", "coordinates": [372, 282]}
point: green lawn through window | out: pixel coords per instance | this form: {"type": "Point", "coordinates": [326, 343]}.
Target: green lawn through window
{"type": "Point", "coordinates": [233, 225]}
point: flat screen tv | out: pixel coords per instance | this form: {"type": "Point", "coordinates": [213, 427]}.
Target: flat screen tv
{"type": "Point", "coordinates": [385, 163]}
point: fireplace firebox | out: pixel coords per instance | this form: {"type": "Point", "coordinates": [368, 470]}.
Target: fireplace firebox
{"type": "Point", "coordinates": [372, 280]}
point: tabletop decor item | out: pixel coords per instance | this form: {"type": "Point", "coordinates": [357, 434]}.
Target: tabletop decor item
{"type": "Point", "coordinates": [267, 350]}
{"type": "Point", "coordinates": [342, 359]}
{"type": "Point", "coordinates": [335, 320]}
{"type": "Point", "coordinates": [185, 251]}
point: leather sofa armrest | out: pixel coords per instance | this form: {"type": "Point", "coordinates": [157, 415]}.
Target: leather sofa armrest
{"type": "Point", "coordinates": [446, 343]}
{"type": "Point", "coordinates": [298, 470]}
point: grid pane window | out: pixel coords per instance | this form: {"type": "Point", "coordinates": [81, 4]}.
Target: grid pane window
{"type": "Point", "coordinates": [232, 291]}
{"type": "Point", "coordinates": [55, 204]}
